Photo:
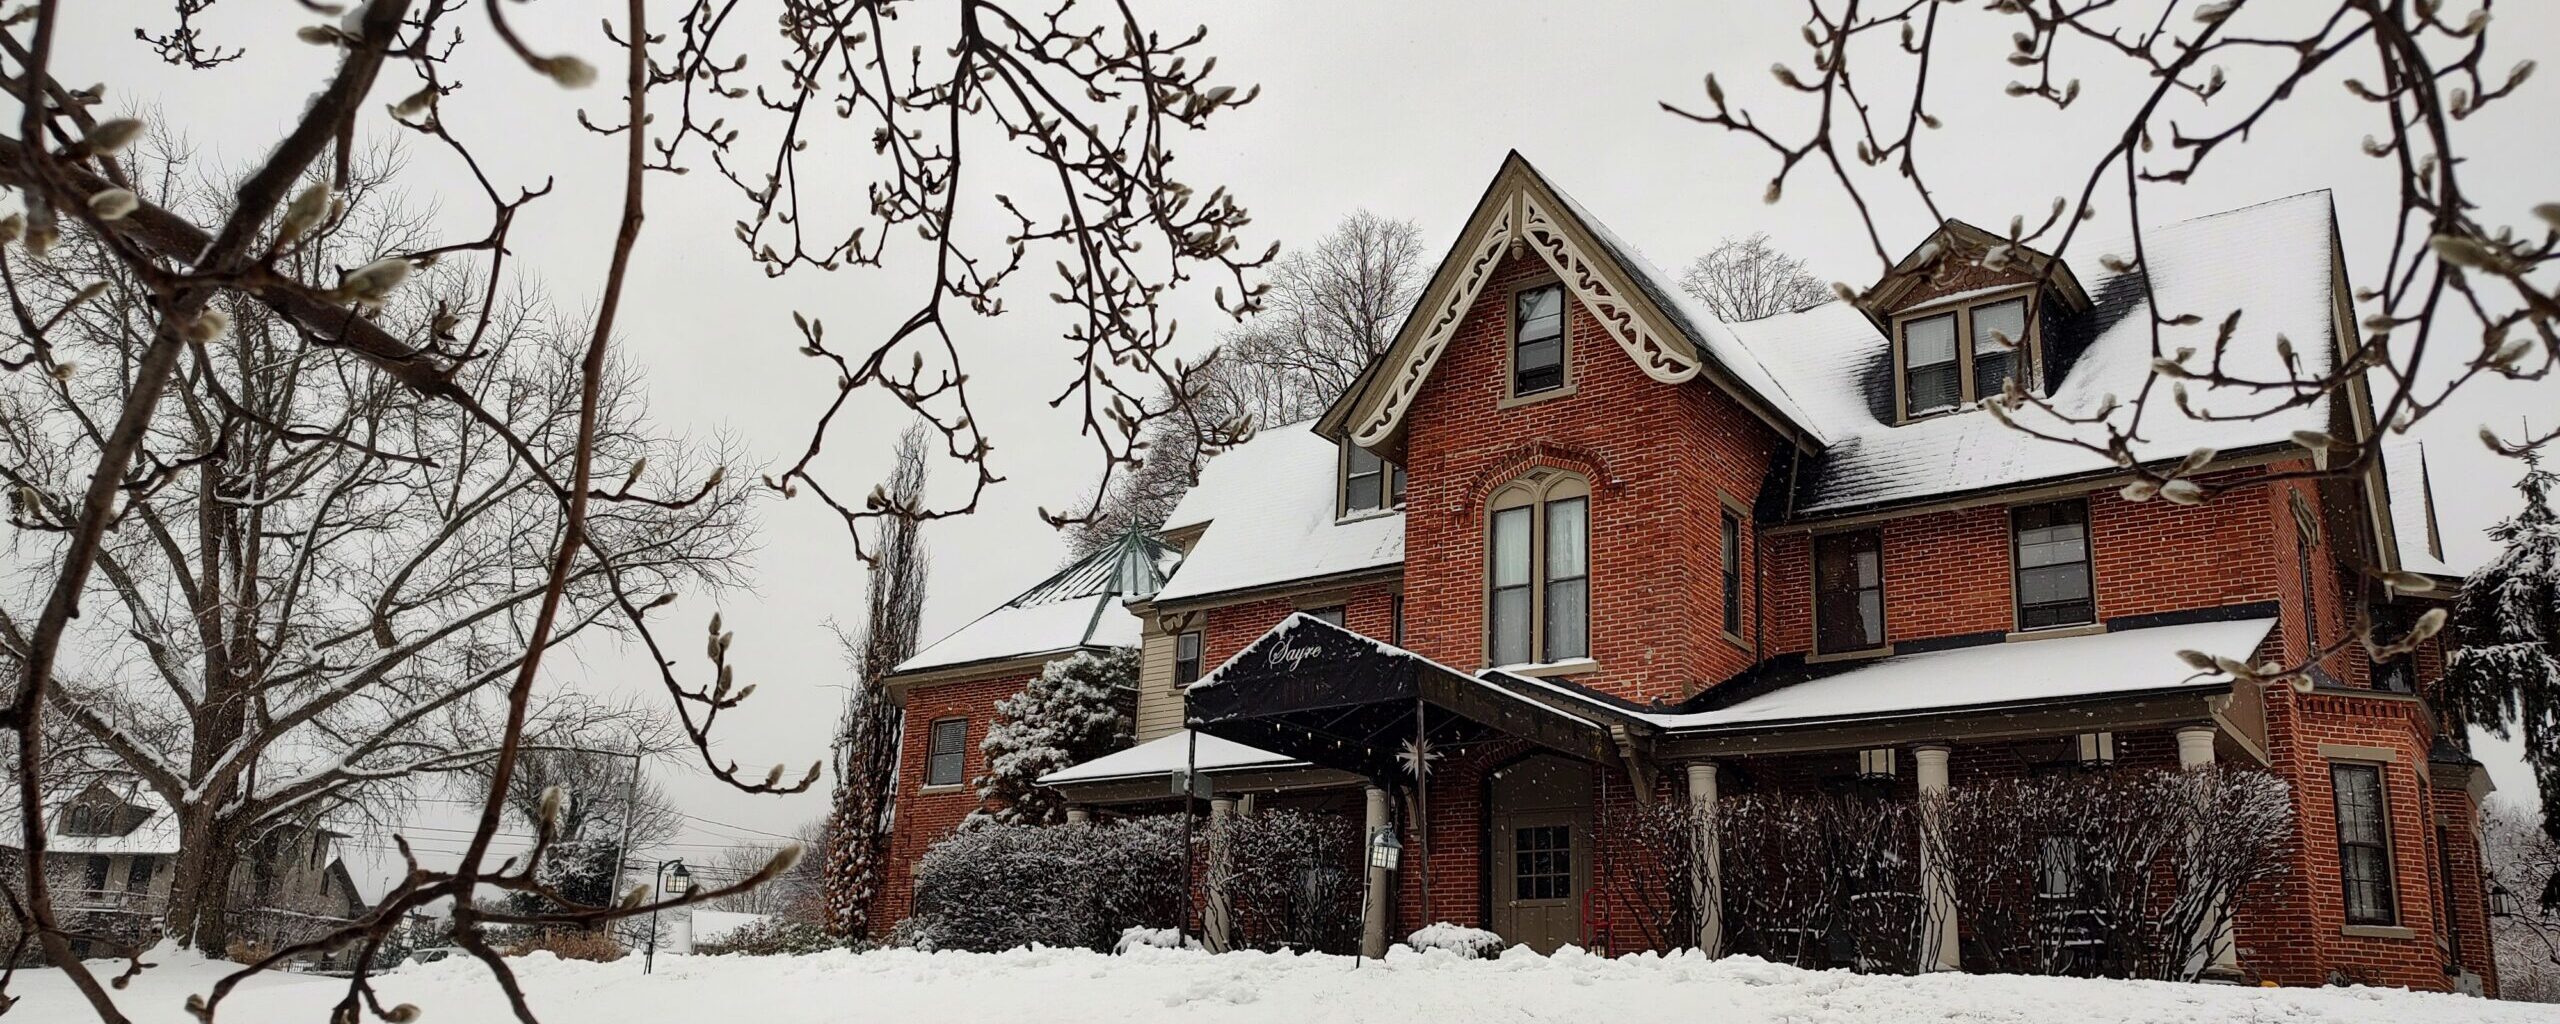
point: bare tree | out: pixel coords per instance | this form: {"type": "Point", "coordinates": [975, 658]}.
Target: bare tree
{"type": "Point", "coordinates": [2520, 857]}
{"type": "Point", "coordinates": [863, 806]}
{"type": "Point", "coordinates": [1092, 97]}
{"type": "Point", "coordinates": [1331, 308]}
{"type": "Point", "coordinates": [327, 573]}
{"type": "Point", "coordinates": [1747, 278]}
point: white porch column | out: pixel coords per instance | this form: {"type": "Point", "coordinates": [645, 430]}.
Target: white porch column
{"type": "Point", "coordinates": [1078, 814]}
{"type": "Point", "coordinates": [2195, 746]}
{"type": "Point", "coordinates": [1216, 919]}
{"type": "Point", "coordinates": [1706, 883]}
{"type": "Point", "coordinates": [2195, 750]}
{"type": "Point", "coordinates": [1373, 905]}
{"type": "Point", "coordinates": [1938, 949]}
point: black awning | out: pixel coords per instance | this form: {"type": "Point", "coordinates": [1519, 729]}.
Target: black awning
{"type": "Point", "coordinates": [1328, 696]}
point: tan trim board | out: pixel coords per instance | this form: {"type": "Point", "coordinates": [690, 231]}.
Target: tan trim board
{"type": "Point", "coordinates": [2353, 752]}
{"type": "Point", "coordinates": [2119, 716]}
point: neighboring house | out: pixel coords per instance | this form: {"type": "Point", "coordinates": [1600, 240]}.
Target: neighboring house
{"type": "Point", "coordinates": [112, 849]}
{"type": "Point", "coordinates": [1601, 540]}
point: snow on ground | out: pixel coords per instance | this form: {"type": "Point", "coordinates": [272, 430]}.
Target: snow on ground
{"type": "Point", "coordinates": [1252, 988]}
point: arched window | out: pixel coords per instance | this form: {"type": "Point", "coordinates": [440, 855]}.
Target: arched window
{"type": "Point", "coordinates": [1538, 570]}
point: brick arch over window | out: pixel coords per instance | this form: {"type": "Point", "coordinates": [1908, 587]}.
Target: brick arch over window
{"type": "Point", "coordinates": [1586, 463]}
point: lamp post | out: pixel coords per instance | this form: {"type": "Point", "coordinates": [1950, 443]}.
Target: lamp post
{"type": "Point", "coordinates": [676, 884]}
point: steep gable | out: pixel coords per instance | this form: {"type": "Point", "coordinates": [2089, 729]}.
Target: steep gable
{"type": "Point", "coordinates": [1670, 340]}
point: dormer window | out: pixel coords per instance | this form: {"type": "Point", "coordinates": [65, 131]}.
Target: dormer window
{"type": "Point", "coordinates": [1954, 354]}
{"type": "Point", "coordinates": [1369, 483]}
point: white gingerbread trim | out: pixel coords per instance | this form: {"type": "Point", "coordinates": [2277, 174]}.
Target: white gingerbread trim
{"type": "Point", "coordinates": [1662, 361]}
{"type": "Point", "coordinates": [1406, 380]}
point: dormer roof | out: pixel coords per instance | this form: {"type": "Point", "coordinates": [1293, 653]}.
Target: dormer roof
{"type": "Point", "coordinates": [1960, 260]}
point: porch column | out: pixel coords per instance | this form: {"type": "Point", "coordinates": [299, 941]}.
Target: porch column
{"type": "Point", "coordinates": [1078, 814]}
{"type": "Point", "coordinates": [1215, 921]}
{"type": "Point", "coordinates": [1706, 872]}
{"type": "Point", "coordinates": [1938, 947]}
{"type": "Point", "coordinates": [2195, 750]}
{"type": "Point", "coordinates": [1373, 904]}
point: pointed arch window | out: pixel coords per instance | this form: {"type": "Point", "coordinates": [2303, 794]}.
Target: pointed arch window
{"type": "Point", "coordinates": [1538, 570]}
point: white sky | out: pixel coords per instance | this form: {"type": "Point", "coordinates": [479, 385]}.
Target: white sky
{"type": "Point", "coordinates": [1403, 108]}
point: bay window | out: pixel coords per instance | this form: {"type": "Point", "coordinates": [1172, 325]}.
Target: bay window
{"type": "Point", "coordinates": [2364, 844]}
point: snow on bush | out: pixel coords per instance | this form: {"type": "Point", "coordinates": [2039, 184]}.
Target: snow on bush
{"type": "Point", "coordinates": [1138, 936]}
{"type": "Point", "coordinates": [1075, 710]}
{"type": "Point", "coordinates": [1468, 943]}
{"type": "Point", "coordinates": [1001, 886]}
{"type": "Point", "coordinates": [769, 937]}
{"type": "Point", "coordinates": [1292, 880]}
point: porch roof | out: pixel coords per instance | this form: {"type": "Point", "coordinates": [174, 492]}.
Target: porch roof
{"type": "Point", "coordinates": [2142, 662]}
{"type": "Point", "coordinates": [1169, 753]}
{"type": "Point", "coordinates": [1319, 693]}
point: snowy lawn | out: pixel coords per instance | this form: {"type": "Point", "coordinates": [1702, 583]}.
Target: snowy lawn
{"type": "Point", "coordinates": [1024, 987]}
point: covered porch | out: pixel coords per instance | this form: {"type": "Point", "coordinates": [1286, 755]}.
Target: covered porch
{"type": "Point", "coordinates": [1514, 799]}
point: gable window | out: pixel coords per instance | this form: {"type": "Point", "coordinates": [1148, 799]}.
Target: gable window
{"type": "Point", "coordinates": [1186, 658]}
{"type": "Point", "coordinates": [1848, 592]}
{"type": "Point", "coordinates": [2049, 546]}
{"type": "Point", "coordinates": [1732, 553]}
{"type": "Point", "coordinates": [1931, 379]}
{"type": "Point", "coordinates": [2364, 846]}
{"type": "Point", "coordinates": [1537, 339]}
{"type": "Point", "coordinates": [1999, 332]}
{"type": "Point", "coordinates": [1538, 571]}
{"type": "Point", "coordinates": [945, 752]}
{"type": "Point", "coordinates": [1369, 483]}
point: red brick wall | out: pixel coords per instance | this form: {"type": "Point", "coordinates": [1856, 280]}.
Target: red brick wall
{"type": "Point", "coordinates": [1367, 609]}
{"type": "Point", "coordinates": [924, 818]}
{"type": "Point", "coordinates": [1947, 573]}
{"type": "Point", "coordinates": [1661, 461]}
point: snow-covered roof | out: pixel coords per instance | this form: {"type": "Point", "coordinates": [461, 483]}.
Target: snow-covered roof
{"type": "Point", "coordinates": [2272, 260]}
{"type": "Point", "coordinates": [2120, 663]}
{"type": "Point", "coordinates": [1075, 608]}
{"type": "Point", "coordinates": [2413, 516]}
{"type": "Point", "coordinates": [1168, 753]}
{"type": "Point", "coordinates": [1272, 499]}
{"type": "Point", "coordinates": [1713, 338]}
{"type": "Point", "coordinates": [157, 834]}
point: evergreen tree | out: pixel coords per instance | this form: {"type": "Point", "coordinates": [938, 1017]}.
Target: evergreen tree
{"type": "Point", "coordinates": [2506, 671]}
{"type": "Point", "coordinates": [1075, 710]}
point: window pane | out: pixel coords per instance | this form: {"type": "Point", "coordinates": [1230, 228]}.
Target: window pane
{"type": "Point", "coordinates": [1329, 613]}
{"type": "Point", "coordinates": [1997, 321]}
{"type": "Point", "coordinates": [1396, 473]}
{"type": "Point", "coordinates": [1933, 388]}
{"type": "Point", "coordinates": [1929, 363]}
{"type": "Point", "coordinates": [2364, 865]}
{"type": "Point", "coordinates": [1568, 614]}
{"type": "Point", "coordinates": [1509, 626]}
{"type": "Point", "coordinates": [1362, 493]}
{"type": "Point", "coordinates": [944, 759]}
{"type": "Point", "coordinates": [1186, 658]}
{"type": "Point", "coordinates": [1991, 373]}
{"type": "Point", "coordinates": [1732, 574]}
{"type": "Point", "coordinates": [1511, 547]}
{"type": "Point", "coordinates": [1363, 460]}
{"type": "Point", "coordinates": [2058, 866]}
{"type": "Point", "coordinates": [1567, 538]}
{"type": "Point", "coordinates": [1541, 311]}
{"type": "Point", "coordinates": [1849, 591]}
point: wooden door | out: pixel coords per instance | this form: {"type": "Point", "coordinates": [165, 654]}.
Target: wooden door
{"type": "Point", "coordinates": [1541, 825]}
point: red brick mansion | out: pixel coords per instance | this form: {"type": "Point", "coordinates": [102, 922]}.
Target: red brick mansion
{"type": "Point", "coordinates": [1594, 546]}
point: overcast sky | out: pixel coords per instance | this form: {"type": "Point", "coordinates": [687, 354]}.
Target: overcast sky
{"type": "Point", "coordinates": [1405, 109]}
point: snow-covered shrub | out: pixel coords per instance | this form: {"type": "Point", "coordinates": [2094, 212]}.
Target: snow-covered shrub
{"type": "Point", "coordinates": [1138, 936]}
{"type": "Point", "coordinates": [2124, 873]}
{"type": "Point", "coordinates": [770, 937]}
{"type": "Point", "coordinates": [1824, 880]}
{"type": "Point", "coordinates": [1001, 886]}
{"type": "Point", "coordinates": [1078, 708]}
{"type": "Point", "coordinates": [1471, 943]}
{"type": "Point", "coordinates": [1292, 880]}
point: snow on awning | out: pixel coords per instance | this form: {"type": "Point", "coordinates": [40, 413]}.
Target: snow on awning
{"type": "Point", "coordinates": [1323, 694]}
{"type": "Point", "coordinates": [2124, 663]}
{"type": "Point", "coordinates": [1167, 754]}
